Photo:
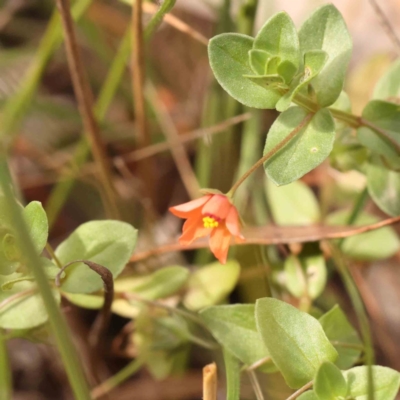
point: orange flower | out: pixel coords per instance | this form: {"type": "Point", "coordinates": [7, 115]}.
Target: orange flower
{"type": "Point", "coordinates": [214, 215]}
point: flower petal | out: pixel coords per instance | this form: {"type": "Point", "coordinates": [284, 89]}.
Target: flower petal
{"type": "Point", "coordinates": [218, 206]}
{"type": "Point", "coordinates": [193, 229]}
{"type": "Point", "coordinates": [232, 222]}
{"type": "Point", "coordinates": [219, 243]}
{"type": "Point", "coordinates": [185, 209]}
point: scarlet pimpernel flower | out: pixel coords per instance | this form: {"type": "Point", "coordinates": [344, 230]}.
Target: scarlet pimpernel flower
{"type": "Point", "coordinates": [214, 215]}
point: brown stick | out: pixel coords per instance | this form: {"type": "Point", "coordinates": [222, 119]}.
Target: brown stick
{"type": "Point", "coordinates": [275, 235]}
{"type": "Point", "coordinates": [84, 98]}
{"type": "Point", "coordinates": [210, 382]}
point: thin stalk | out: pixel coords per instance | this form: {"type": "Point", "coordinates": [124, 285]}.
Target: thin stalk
{"type": "Point", "coordinates": [297, 393]}
{"type": "Point", "coordinates": [5, 370]}
{"type": "Point", "coordinates": [16, 105]}
{"type": "Point", "coordinates": [362, 317]}
{"type": "Point", "coordinates": [232, 371]}
{"type": "Point", "coordinates": [270, 154]}
{"type": "Point", "coordinates": [64, 187]}
{"type": "Point", "coordinates": [84, 98]}
{"type": "Point", "coordinates": [355, 212]}
{"type": "Point", "coordinates": [255, 384]}
{"type": "Point", "coordinates": [59, 327]}
{"type": "Point", "coordinates": [117, 379]}
{"type": "Point", "coordinates": [52, 254]}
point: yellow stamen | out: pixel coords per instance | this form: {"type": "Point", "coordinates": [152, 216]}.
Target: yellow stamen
{"type": "Point", "coordinates": [210, 222]}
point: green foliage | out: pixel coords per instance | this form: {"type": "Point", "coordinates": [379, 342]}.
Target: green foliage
{"type": "Point", "coordinates": [309, 148]}
{"type": "Point", "coordinates": [386, 116]}
{"type": "Point", "coordinates": [108, 243]}
{"type": "Point", "coordinates": [384, 186]}
{"type": "Point", "coordinates": [314, 60]}
{"type": "Point", "coordinates": [326, 30]}
{"type": "Point", "coordinates": [293, 204]}
{"type": "Point", "coordinates": [37, 225]}
{"type": "Point", "coordinates": [211, 284]}
{"type": "Point", "coordinates": [294, 339]}
{"type": "Point", "coordinates": [343, 336]}
{"type": "Point", "coordinates": [388, 86]}
{"type": "Point", "coordinates": [27, 309]}
{"type": "Point", "coordinates": [234, 327]}
{"type": "Point", "coordinates": [386, 383]}
{"type": "Point", "coordinates": [278, 37]}
{"type": "Point", "coordinates": [374, 245]}
{"type": "Point", "coordinates": [229, 60]}
{"type": "Point", "coordinates": [306, 275]}
{"type": "Point", "coordinates": [329, 383]}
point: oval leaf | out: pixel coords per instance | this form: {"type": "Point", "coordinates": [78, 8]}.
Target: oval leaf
{"type": "Point", "coordinates": [388, 86]}
{"type": "Point", "coordinates": [386, 116]}
{"type": "Point", "coordinates": [278, 37]}
{"type": "Point", "coordinates": [24, 312]}
{"type": "Point", "coordinates": [229, 60]}
{"type": "Point", "coordinates": [386, 382]}
{"type": "Point", "coordinates": [36, 222]}
{"type": "Point", "coordinates": [309, 148]}
{"type": "Point", "coordinates": [294, 339]}
{"type": "Point", "coordinates": [343, 336]}
{"type": "Point", "coordinates": [211, 284]}
{"type": "Point", "coordinates": [234, 327]}
{"type": "Point", "coordinates": [374, 245]}
{"type": "Point", "coordinates": [293, 204]}
{"type": "Point", "coordinates": [108, 243]}
{"type": "Point", "coordinates": [326, 30]}
{"type": "Point", "coordinates": [384, 187]}
{"type": "Point", "coordinates": [329, 383]}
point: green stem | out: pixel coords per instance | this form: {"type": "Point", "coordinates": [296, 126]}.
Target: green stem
{"type": "Point", "coordinates": [355, 212]}
{"type": "Point", "coordinates": [117, 379]}
{"type": "Point", "coordinates": [16, 105]}
{"type": "Point", "coordinates": [232, 369]}
{"type": "Point", "coordinates": [270, 154]}
{"type": "Point", "coordinates": [63, 188]}
{"type": "Point", "coordinates": [362, 317]}
{"type": "Point", "coordinates": [5, 370]}
{"type": "Point", "coordinates": [60, 329]}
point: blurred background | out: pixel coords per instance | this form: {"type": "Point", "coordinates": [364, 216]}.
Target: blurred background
{"type": "Point", "coordinates": [198, 137]}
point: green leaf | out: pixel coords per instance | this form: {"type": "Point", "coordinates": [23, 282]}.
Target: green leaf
{"type": "Point", "coordinates": [293, 204]}
{"type": "Point", "coordinates": [286, 70]}
{"type": "Point", "coordinates": [374, 245]}
{"type": "Point", "coordinates": [294, 339]}
{"type": "Point", "coordinates": [314, 60]}
{"type": "Point", "coordinates": [108, 243]}
{"type": "Point", "coordinates": [258, 61]}
{"type": "Point", "coordinates": [265, 81]}
{"type": "Point", "coordinates": [310, 395]}
{"type": "Point", "coordinates": [388, 86]}
{"type": "Point", "coordinates": [309, 148]}
{"type": "Point", "coordinates": [38, 228]}
{"type": "Point", "coordinates": [210, 285]}
{"type": "Point", "coordinates": [234, 327]}
{"type": "Point", "coordinates": [385, 116]}
{"type": "Point", "coordinates": [384, 187]}
{"type": "Point", "coordinates": [329, 383]}
{"type": "Point", "coordinates": [386, 382]}
{"type": "Point", "coordinates": [305, 275]}
{"type": "Point", "coordinates": [90, 301]}
{"type": "Point", "coordinates": [278, 37]}
{"type": "Point", "coordinates": [343, 336]}
{"type": "Point", "coordinates": [326, 30]}
{"type": "Point", "coordinates": [229, 60]}
{"type": "Point", "coordinates": [26, 311]}
{"type": "Point", "coordinates": [160, 284]}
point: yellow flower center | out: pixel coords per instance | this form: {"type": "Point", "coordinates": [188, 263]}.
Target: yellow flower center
{"type": "Point", "coordinates": [210, 222]}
